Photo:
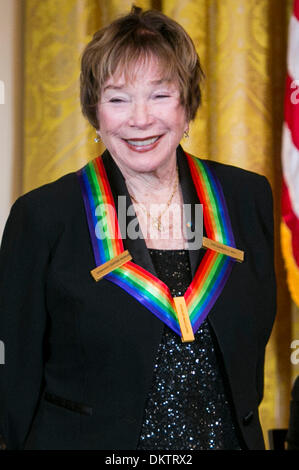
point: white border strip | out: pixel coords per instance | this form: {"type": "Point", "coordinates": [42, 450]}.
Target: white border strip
{"type": "Point", "coordinates": [293, 49]}
{"type": "Point", "coordinates": [290, 167]}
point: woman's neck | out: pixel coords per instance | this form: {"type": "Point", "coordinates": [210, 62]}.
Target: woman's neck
{"type": "Point", "coordinates": [151, 187]}
{"type": "Point", "coordinates": [148, 190]}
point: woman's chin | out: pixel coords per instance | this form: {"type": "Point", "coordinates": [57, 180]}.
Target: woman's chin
{"type": "Point", "coordinates": [147, 161]}
{"type": "Point", "coordinates": [144, 164]}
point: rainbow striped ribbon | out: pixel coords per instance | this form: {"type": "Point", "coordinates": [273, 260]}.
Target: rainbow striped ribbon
{"type": "Point", "coordinates": [213, 271]}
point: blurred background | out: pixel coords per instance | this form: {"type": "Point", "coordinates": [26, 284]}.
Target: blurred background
{"type": "Point", "coordinates": [243, 49]}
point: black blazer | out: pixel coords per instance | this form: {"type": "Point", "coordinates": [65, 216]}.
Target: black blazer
{"type": "Point", "coordinates": [292, 437]}
{"type": "Point", "coordinates": [79, 354]}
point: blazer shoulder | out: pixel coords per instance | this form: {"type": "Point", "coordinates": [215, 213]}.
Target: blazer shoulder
{"type": "Point", "coordinates": [61, 191]}
{"type": "Point", "coordinates": [229, 172]}
{"type": "Point", "coordinates": [239, 182]}
{"type": "Point", "coordinates": [50, 207]}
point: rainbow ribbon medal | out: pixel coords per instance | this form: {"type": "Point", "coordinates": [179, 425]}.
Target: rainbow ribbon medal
{"type": "Point", "coordinates": [211, 274]}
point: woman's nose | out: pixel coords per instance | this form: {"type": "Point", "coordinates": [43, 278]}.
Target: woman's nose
{"type": "Point", "coordinates": [141, 115]}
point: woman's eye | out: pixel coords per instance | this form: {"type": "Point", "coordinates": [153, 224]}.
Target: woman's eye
{"type": "Point", "coordinates": [118, 100]}
{"type": "Point", "coordinates": [162, 96]}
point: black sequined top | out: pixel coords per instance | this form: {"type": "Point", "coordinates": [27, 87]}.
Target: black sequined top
{"type": "Point", "coordinates": [187, 406]}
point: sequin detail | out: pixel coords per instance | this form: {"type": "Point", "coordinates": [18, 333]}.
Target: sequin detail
{"type": "Point", "coordinates": [187, 407]}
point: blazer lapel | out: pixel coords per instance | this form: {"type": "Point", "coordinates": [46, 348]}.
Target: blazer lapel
{"type": "Point", "coordinates": [189, 197]}
{"type": "Point", "coordinates": [140, 255]}
{"type": "Point", "coordinates": [137, 248]}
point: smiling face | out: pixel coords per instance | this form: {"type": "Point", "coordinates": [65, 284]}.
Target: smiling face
{"type": "Point", "coordinates": [141, 121]}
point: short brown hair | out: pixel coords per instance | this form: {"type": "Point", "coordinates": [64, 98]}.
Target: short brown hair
{"type": "Point", "coordinates": [140, 35]}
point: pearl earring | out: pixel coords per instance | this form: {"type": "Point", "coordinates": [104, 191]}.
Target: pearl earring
{"type": "Point", "coordinates": [98, 138]}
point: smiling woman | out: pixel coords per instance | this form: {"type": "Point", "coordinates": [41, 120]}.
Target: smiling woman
{"type": "Point", "coordinates": [166, 350]}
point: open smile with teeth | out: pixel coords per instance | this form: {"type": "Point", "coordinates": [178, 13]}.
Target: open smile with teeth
{"type": "Point", "coordinates": [143, 143]}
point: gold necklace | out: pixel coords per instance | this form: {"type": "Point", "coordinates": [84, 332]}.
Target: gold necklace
{"type": "Point", "coordinates": [156, 223]}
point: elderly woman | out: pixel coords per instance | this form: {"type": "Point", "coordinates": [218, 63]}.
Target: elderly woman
{"type": "Point", "coordinates": [120, 330]}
